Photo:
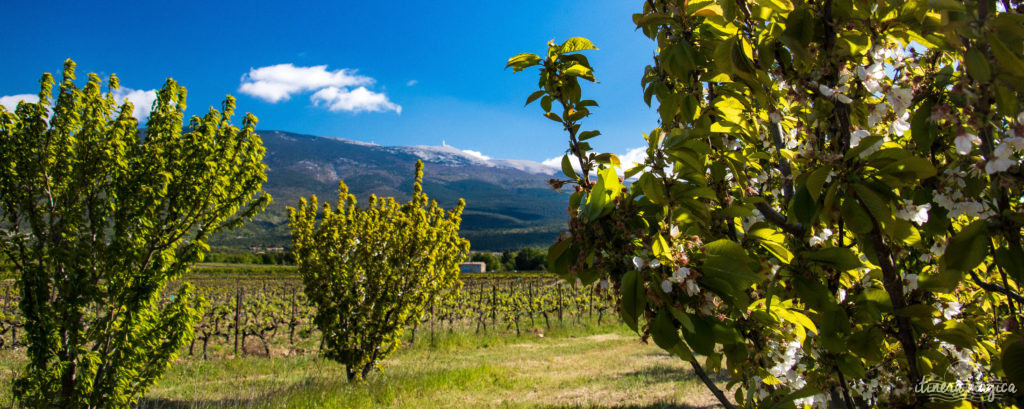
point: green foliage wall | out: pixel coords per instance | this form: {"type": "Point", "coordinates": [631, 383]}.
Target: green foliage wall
{"type": "Point", "coordinates": [98, 218]}
{"type": "Point", "coordinates": [371, 271]}
{"type": "Point", "coordinates": [830, 208]}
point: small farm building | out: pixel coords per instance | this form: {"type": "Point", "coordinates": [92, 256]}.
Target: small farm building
{"type": "Point", "coordinates": [473, 267]}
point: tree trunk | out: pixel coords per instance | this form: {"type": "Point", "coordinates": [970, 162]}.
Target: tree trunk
{"type": "Point", "coordinates": [238, 316]}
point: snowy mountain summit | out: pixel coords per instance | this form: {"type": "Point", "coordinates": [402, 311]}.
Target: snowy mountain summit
{"type": "Point", "coordinates": [452, 156]}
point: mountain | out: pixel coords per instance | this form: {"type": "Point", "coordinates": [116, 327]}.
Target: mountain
{"type": "Point", "coordinates": [509, 203]}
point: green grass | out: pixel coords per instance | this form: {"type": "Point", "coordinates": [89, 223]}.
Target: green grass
{"type": "Point", "coordinates": [586, 366]}
{"type": "Point", "coordinates": [583, 366]}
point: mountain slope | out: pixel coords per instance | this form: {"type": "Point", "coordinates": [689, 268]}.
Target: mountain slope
{"type": "Point", "coordinates": [508, 202]}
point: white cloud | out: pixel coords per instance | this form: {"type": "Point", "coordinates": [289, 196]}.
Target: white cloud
{"type": "Point", "coordinates": [556, 162]}
{"type": "Point", "coordinates": [411, 83]}
{"type": "Point", "coordinates": [279, 82]}
{"type": "Point", "coordinates": [476, 154]}
{"type": "Point", "coordinates": [142, 101]}
{"type": "Point", "coordinates": [633, 157]}
{"type": "Point", "coordinates": [11, 101]}
{"type": "Point", "coordinates": [356, 100]}
{"type": "Point", "coordinates": [628, 160]}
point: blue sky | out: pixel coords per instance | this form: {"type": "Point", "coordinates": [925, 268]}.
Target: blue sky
{"type": "Point", "coordinates": [346, 68]}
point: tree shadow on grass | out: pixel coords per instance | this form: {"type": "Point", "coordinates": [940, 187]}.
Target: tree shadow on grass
{"type": "Point", "coordinates": [659, 374]}
{"type": "Point", "coordinates": [667, 373]}
{"type": "Point", "coordinates": [655, 405]}
{"type": "Point", "coordinates": [163, 403]}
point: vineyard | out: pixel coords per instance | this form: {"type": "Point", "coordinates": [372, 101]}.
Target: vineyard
{"type": "Point", "coordinates": [264, 312]}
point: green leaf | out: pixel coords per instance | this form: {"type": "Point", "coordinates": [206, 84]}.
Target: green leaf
{"type": "Point", "coordinates": [850, 366]}
{"type": "Point", "coordinates": [545, 103]}
{"type": "Point", "coordinates": [910, 169]}
{"type": "Point", "coordinates": [600, 200]}
{"type": "Point", "coordinates": [771, 239]}
{"type": "Point", "coordinates": [728, 9]}
{"type": "Point", "coordinates": [856, 218]}
{"type": "Point", "coordinates": [967, 248]}
{"type": "Point", "coordinates": [977, 65]}
{"type": "Point", "coordinates": [922, 129]}
{"type": "Point", "coordinates": [701, 339]}
{"type": "Point", "coordinates": [567, 168]}
{"type": "Point", "coordinates": [522, 61]}
{"type": "Point", "coordinates": [1006, 58]}
{"type": "Point", "coordinates": [803, 207]}
{"type": "Point", "coordinates": [797, 318]}
{"type": "Point", "coordinates": [588, 134]}
{"type": "Point", "coordinates": [854, 42]}
{"type": "Point", "coordinates": [578, 70]}
{"type": "Point", "coordinates": [943, 280]}
{"type": "Point", "coordinates": [557, 258]}
{"type": "Point", "coordinates": [876, 205]}
{"type": "Point", "coordinates": [683, 318]}
{"type": "Point", "coordinates": [946, 5]}
{"type": "Point", "coordinates": [736, 210]}
{"type": "Point", "coordinates": [609, 159]}
{"type": "Point", "coordinates": [867, 142]}
{"type": "Point", "coordinates": [1013, 364]}
{"type": "Point", "coordinates": [813, 293]}
{"type": "Point", "coordinates": [867, 343]}
{"type": "Point", "coordinates": [840, 258]}
{"type": "Point", "coordinates": [726, 270]}
{"type": "Point", "coordinates": [632, 300]}
{"type": "Point", "coordinates": [533, 97]}
{"type": "Point", "coordinates": [575, 44]}
{"type": "Point", "coordinates": [1011, 259]}
{"type": "Point", "coordinates": [835, 324]}
{"type": "Point", "coordinates": [666, 335]}
{"type": "Point", "coordinates": [778, 5]}
{"type": "Point", "coordinates": [958, 333]}
{"type": "Point", "coordinates": [661, 249]}
{"type": "Point", "coordinates": [706, 9]}
{"type": "Point", "coordinates": [816, 181]}
{"type": "Point", "coordinates": [652, 187]}
{"type": "Point", "coordinates": [1006, 100]}
{"type": "Point", "coordinates": [903, 231]}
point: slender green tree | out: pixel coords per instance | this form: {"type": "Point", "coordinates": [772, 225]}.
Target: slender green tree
{"type": "Point", "coordinates": [371, 272]}
{"type": "Point", "coordinates": [98, 217]}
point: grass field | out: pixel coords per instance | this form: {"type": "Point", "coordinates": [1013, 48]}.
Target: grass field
{"type": "Point", "coordinates": [583, 366]}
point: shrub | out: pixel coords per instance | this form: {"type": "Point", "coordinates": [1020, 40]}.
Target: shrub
{"type": "Point", "coordinates": [371, 272]}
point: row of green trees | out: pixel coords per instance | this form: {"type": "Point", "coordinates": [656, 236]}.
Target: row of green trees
{"type": "Point", "coordinates": [526, 259]}
{"type": "Point", "coordinates": [830, 208]}
{"type": "Point", "coordinates": [232, 256]}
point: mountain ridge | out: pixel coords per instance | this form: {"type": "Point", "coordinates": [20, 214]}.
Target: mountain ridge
{"type": "Point", "coordinates": [509, 202]}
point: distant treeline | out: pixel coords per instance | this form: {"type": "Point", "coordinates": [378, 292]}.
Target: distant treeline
{"type": "Point", "coordinates": [527, 259]}
{"type": "Point", "coordinates": [229, 255]}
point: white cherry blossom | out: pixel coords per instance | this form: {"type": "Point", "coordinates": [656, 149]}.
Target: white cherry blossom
{"type": "Point", "coordinates": [965, 142]}
{"type": "Point", "coordinates": [871, 76]}
{"type": "Point", "coordinates": [820, 237]}
{"type": "Point", "coordinates": [915, 213]}
{"type": "Point", "coordinates": [900, 99]}
{"type": "Point", "coordinates": [901, 124]}
{"type": "Point", "coordinates": [680, 274]}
